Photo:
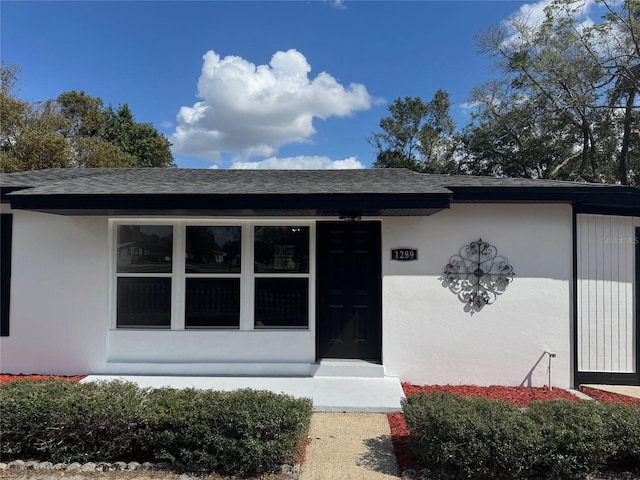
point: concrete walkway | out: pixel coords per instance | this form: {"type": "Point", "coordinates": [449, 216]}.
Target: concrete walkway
{"type": "Point", "coordinates": [346, 446]}
{"type": "Point", "coordinates": [629, 391]}
{"type": "Point", "coordinates": [349, 446]}
{"type": "Point", "coordinates": [329, 394]}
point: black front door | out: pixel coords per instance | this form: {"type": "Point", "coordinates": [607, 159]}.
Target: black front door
{"type": "Point", "coordinates": [349, 290]}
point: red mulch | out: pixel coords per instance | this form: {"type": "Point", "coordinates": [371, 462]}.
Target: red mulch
{"type": "Point", "coordinates": [400, 441]}
{"type": "Point", "coordinates": [4, 377]}
{"type": "Point", "coordinates": [609, 397]}
{"type": "Point", "coordinates": [518, 396]}
{"type": "Point", "coordinates": [302, 454]}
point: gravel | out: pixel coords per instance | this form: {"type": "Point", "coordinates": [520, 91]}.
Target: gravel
{"type": "Point", "coordinates": [34, 470]}
{"type": "Point", "coordinates": [604, 475]}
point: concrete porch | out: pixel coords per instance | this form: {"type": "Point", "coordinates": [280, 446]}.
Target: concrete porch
{"type": "Point", "coordinates": [329, 393]}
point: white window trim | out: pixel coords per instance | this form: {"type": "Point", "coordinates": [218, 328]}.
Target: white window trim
{"type": "Point", "coordinates": [307, 275]}
{"type": "Point", "coordinates": [182, 290]}
{"type": "Point", "coordinates": [247, 276]}
{"type": "Point", "coordinates": [113, 271]}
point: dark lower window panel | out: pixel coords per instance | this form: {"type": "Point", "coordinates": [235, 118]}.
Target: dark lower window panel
{"type": "Point", "coordinates": [282, 303]}
{"type": "Point", "coordinates": [212, 302]}
{"type": "Point", "coordinates": [144, 302]}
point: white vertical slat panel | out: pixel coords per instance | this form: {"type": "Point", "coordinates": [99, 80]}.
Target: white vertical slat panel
{"type": "Point", "coordinates": [598, 295]}
{"type": "Point", "coordinates": [605, 320]}
{"type": "Point", "coordinates": [581, 289]}
{"type": "Point", "coordinates": [592, 293]}
{"type": "Point", "coordinates": [629, 350]}
{"type": "Point", "coordinates": [605, 283]}
{"type": "Point", "coordinates": [615, 359]}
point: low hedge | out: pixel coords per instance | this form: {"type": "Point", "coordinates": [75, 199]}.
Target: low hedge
{"type": "Point", "coordinates": [245, 432]}
{"type": "Point", "coordinates": [484, 439]}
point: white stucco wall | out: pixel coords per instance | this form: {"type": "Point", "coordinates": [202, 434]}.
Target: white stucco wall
{"type": "Point", "coordinates": [60, 320]}
{"type": "Point", "coordinates": [428, 338]}
{"type": "Point", "coordinates": [58, 295]}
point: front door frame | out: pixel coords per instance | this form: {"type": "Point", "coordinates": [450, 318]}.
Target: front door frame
{"type": "Point", "coordinates": [318, 286]}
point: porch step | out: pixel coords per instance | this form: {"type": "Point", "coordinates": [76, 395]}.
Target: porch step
{"type": "Point", "coordinates": [252, 369]}
{"type": "Point", "coordinates": [329, 394]}
{"type": "Point", "coordinates": [347, 368]}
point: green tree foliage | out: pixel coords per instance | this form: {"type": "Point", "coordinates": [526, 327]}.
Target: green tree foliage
{"type": "Point", "coordinates": [141, 140]}
{"type": "Point", "coordinates": [566, 105]}
{"type": "Point", "coordinates": [417, 135]}
{"type": "Point", "coordinates": [621, 29]}
{"type": "Point", "coordinates": [74, 130]}
{"type": "Point", "coordinates": [513, 138]}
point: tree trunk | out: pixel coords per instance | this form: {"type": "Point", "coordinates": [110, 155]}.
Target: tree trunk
{"type": "Point", "coordinates": [623, 177]}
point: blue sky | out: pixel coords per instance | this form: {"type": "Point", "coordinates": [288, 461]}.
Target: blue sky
{"type": "Point", "coordinates": [254, 104]}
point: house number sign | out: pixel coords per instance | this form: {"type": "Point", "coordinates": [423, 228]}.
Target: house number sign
{"type": "Point", "coordinates": [404, 254]}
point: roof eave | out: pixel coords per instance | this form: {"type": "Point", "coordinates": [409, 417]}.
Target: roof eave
{"type": "Point", "coordinates": [612, 197]}
{"type": "Point", "coordinates": [238, 205]}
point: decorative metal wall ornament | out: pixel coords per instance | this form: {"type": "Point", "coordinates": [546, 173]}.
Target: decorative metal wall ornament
{"type": "Point", "coordinates": [478, 275]}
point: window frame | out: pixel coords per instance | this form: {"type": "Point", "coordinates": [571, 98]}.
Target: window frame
{"type": "Point", "coordinates": [178, 275]}
{"type": "Point", "coordinates": [216, 275]}
{"type": "Point", "coordinates": [117, 275]}
{"type": "Point", "coordinates": [276, 275]}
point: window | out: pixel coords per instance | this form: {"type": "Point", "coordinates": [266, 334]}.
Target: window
{"type": "Point", "coordinates": [144, 302]}
{"type": "Point", "coordinates": [282, 302]}
{"type": "Point", "coordinates": [212, 302]}
{"type": "Point", "coordinates": [144, 268]}
{"type": "Point", "coordinates": [281, 250]}
{"type": "Point", "coordinates": [213, 267]}
{"type": "Point", "coordinates": [281, 265]}
{"type": "Point", "coordinates": [184, 275]}
{"type": "Point", "coordinates": [213, 249]}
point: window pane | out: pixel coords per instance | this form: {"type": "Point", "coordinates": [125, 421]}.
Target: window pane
{"type": "Point", "coordinates": [144, 302]}
{"type": "Point", "coordinates": [281, 250]}
{"type": "Point", "coordinates": [213, 249]}
{"type": "Point", "coordinates": [282, 302]}
{"type": "Point", "coordinates": [145, 248]}
{"type": "Point", "coordinates": [212, 302]}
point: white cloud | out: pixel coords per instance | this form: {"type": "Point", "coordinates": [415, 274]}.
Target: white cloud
{"type": "Point", "coordinates": [301, 162]}
{"type": "Point", "coordinates": [470, 105]}
{"type": "Point", "coordinates": [532, 15]}
{"type": "Point", "coordinates": [252, 110]}
{"type": "Point", "coordinates": [339, 4]}
{"type": "Point", "coordinates": [166, 125]}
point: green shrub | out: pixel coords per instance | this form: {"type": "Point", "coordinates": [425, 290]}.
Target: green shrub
{"type": "Point", "coordinates": [245, 432]}
{"type": "Point", "coordinates": [575, 436]}
{"type": "Point", "coordinates": [25, 421]}
{"type": "Point", "coordinates": [622, 424]}
{"type": "Point", "coordinates": [482, 439]}
{"type": "Point", "coordinates": [470, 437]}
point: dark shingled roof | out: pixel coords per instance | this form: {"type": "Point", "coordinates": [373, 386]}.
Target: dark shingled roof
{"type": "Point", "coordinates": [470, 181]}
{"type": "Point", "coordinates": [158, 181]}
{"type": "Point", "coordinates": [33, 178]}
{"type": "Point", "coordinates": [312, 192]}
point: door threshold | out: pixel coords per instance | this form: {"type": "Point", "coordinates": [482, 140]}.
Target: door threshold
{"type": "Point", "coordinates": [347, 367]}
{"type": "Point", "coordinates": [349, 360]}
